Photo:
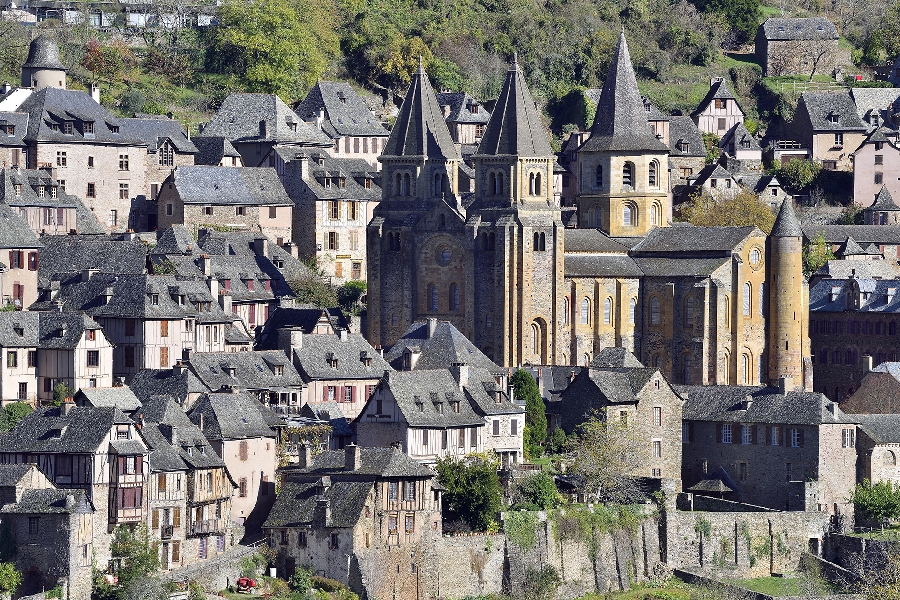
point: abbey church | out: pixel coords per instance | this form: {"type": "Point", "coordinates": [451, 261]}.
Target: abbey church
{"type": "Point", "coordinates": [707, 305]}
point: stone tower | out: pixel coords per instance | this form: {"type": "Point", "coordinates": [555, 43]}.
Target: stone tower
{"type": "Point", "coordinates": [623, 166]}
{"type": "Point", "coordinates": [788, 339]}
{"type": "Point", "coordinates": [416, 238]}
{"type": "Point", "coordinates": [517, 234]}
{"type": "Point", "coordinates": [43, 67]}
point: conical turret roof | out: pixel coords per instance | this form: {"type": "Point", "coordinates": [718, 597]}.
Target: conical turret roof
{"type": "Point", "coordinates": [420, 129]}
{"type": "Point", "coordinates": [786, 223]}
{"type": "Point", "coordinates": [515, 127]}
{"type": "Point", "coordinates": [850, 248]}
{"type": "Point", "coordinates": [884, 201]}
{"type": "Point", "coordinates": [43, 53]}
{"type": "Point", "coordinates": [620, 123]}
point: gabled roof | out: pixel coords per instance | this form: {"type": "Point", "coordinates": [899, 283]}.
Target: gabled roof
{"type": "Point", "coordinates": [154, 132]}
{"type": "Point", "coordinates": [24, 322]}
{"type": "Point", "coordinates": [600, 265]}
{"type": "Point", "coordinates": [83, 430]}
{"type": "Point", "coordinates": [350, 350]}
{"type": "Point", "coordinates": [864, 234]}
{"type": "Point", "coordinates": [71, 254]}
{"type": "Point", "coordinates": [850, 248]}
{"type": "Point", "coordinates": [305, 317]}
{"type": "Point", "coordinates": [458, 108]}
{"type": "Point", "coordinates": [50, 501]}
{"type": "Point", "coordinates": [718, 90]}
{"type": "Point", "coordinates": [515, 127]}
{"type": "Point", "coordinates": [620, 123]}
{"type": "Point", "coordinates": [882, 296]}
{"type": "Point", "coordinates": [232, 416]}
{"type": "Point", "coordinates": [713, 171]}
{"type": "Point", "coordinates": [821, 107]}
{"type": "Point", "coordinates": [43, 53]}
{"type": "Point", "coordinates": [253, 370]}
{"type": "Point", "coordinates": [211, 149]}
{"type": "Point", "coordinates": [786, 223]}
{"type": "Point", "coordinates": [883, 101]}
{"type": "Point", "coordinates": [591, 241]}
{"type": "Point", "coordinates": [150, 383]}
{"type": "Point", "coordinates": [683, 130]}
{"type": "Point", "coordinates": [331, 413]}
{"type": "Point", "coordinates": [374, 462]}
{"type": "Point", "coordinates": [177, 444]}
{"type": "Point", "coordinates": [240, 116]}
{"type": "Point", "coordinates": [809, 28]}
{"type": "Point", "coordinates": [446, 346]}
{"type": "Point", "coordinates": [175, 239]}
{"type": "Point", "coordinates": [296, 503]}
{"type": "Point", "coordinates": [884, 200]}
{"type": "Point", "coordinates": [868, 269]}
{"type": "Point", "coordinates": [345, 112]}
{"type": "Point", "coordinates": [64, 331]}
{"type": "Point", "coordinates": [120, 397]}
{"type": "Point", "coordinates": [324, 174]}
{"type": "Point", "coordinates": [12, 474]}
{"type": "Point", "coordinates": [14, 231]}
{"type": "Point", "coordinates": [882, 428]}
{"type": "Point", "coordinates": [53, 106]}
{"type": "Point", "coordinates": [686, 240]}
{"type": "Point", "coordinates": [229, 185]}
{"type": "Point", "coordinates": [20, 122]}
{"type": "Point", "coordinates": [276, 263]}
{"type": "Point", "coordinates": [427, 399]}
{"type": "Point", "coordinates": [741, 138]}
{"type": "Point", "coordinates": [727, 403]}
{"type": "Point", "coordinates": [615, 358]}
{"type": "Point", "coordinates": [619, 385]}
{"type": "Point", "coordinates": [420, 129]}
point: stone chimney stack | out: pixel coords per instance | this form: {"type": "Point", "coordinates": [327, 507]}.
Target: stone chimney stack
{"type": "Point", "coordinates": [186, 354]}
{"type": "Point", "coordinates": [95, 92]}
{"type": "Point", "coordinates": [432, 326]}
{"type": "Point", "coordinates": [261, 246]}
{"type": "Point", "coordinates": [305, 458]}
{"type": "Point", "coordinates": [323, 512]}
{"type": "Point", "coordinates": [461, 374]}
{"type": "Point", "coordinates": [867, 363]}
{"type": "Point", "coordinates": [785, 385]}
{"type": "Point", "coordinates": [66, 407]}
{"type": "Point", "coordinates": [205, 264]}
{"type": "Point", "coordinates": [352, 458]}
{"type": "Point", "coordinates": [289, 339]}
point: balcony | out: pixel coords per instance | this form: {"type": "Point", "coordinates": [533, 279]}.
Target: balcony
{"type": "Point", "coordinates": [166, 531]}
{"type": "Point", "coordinates": [208, 526]}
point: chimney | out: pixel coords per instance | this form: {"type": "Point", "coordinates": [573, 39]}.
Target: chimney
{"type": "Point", "coordinates": [263, 133]}
{"type": "Point", "coordinates": [178, 369]}
{"type": "Point", "coordinates": [343, 335]}
{"type": "Point", "coordinates": [86, 274]}
{"type": "Point", "coordinates": [107, 294]}
{"type": "Point", "coordinates": [186, 354]}
{"type": "Point", "coordinates": [785, 385]}
{"type": "Point", "coordinates": [867, 363]}
{"type": "Point", "coordinates": [305, 458]}
{"type": "Point", "coordinates": [226, 301]}
{"type": "Point", "coordinates": [323, 513]}
{"type": "Point", "coordinates": [173, 435]}
{"type": "Point", "coordinates": [95, 92]}
{"type": "Point", "coordinates": [289, 339]}
{"type": "Point", "coordinates": [205, 264]}
{"type": "Point", "coordinates": [261, 247]}
{"type": "Point", "coordinates": [229, 370]}
{"type": "Point", "coordinates": [460, 374]}
{"type": "Point", "coordinates": [66, 407]}
{"type": "Point", "coordinates": [432, 325]}
{"type": "Point", "coordinates": [747, 403]}
{"type": "Point", "coordinates": [292, 249]}
{"type": "Point", "coordinates": [7, 88]}
{"type": "Point", "coordinates": [572, 375]}
{"type": "Point", "coordinates": [352, 458]}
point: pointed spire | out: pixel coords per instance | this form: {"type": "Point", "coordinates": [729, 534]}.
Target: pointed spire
{"type": "Point", "coordinates": [884, 200]}
{"type": "Point", "coordinates": [620, 122]}
{"type": "Point", "coordinates": [515, 127]}
{"type": "Point", "coordinates": [850, 248]}
{"type": "Point", "coordinates": [786, 223]}
{"type": "Point", "coordinates": [420, 129]}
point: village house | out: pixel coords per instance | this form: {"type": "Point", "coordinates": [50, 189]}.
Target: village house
{"type": "Point", "coordinates": [877, 444]}
{"type": "Point", "coordinates": [19, 248]}
{"type": "Point", "coordinates": [240, 431]}
{"type": "Point", "coordinates": [95, 449]}
{"type": "Point", "coordinates": [337, 110]}
{"type": "Point", "coordinates": [878, 108]}
{"type": "Point", "coordinates": [719, 111]}
{"type": "Point", "coordinates": [12, 145]}
{"type": "Point", "coordinates": [308, 319]}
{"type": "Point", "coordinates": [878, 391]}
{"type": "Point", "coordinates": [38, 198]}
{"type": "Point", "coordinates": [119, 396]}
{"type": "Point", "coordinates": [716, 182]}
{"type": "Point", "coordinates": [466, 118]}
{"type": "Point", "coordinates": [19, 339]}
{"type": "Point", "coordinates": [216, 151]}
{"type": "Point", "coordinates": [775, 447]}
{"type": "Point", "coordinates": [255, 123]}
{"type": "Point", "coordinates": [884, 211]}
{"type": "Point", "coordinates": [239, 198]}
{"type": "Point", "coordinates": [65, 257]}
{"type": "Point", "coordinates": [797, 46]}
{"type": "Point", "coordinates": [885, 238]}
{"type": "Point", "coordinates": [876, 156]}
{"type": "Point", "coordinates": [373, 503]}
{"type": "Point", "coordinates": [827, 124]}
{"type": "Point", "coordinates": [687, 154]}
{"type": "Point", "coordinates": [617, 386]}
{"type": "Point", "coordinates": [189, 487]}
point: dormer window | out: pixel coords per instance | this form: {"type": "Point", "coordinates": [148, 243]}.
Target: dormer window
{"type": "Point", "coordinates": [19, 331]}
{"type": "Point", "coordinates": [114, 129]}
{"type": "Point", "coordinates": [250, 284]}
{"type": "Point", "coordinates": [684, 146]}
{"type": "Point", "coordinates": [54, 127]}
{"type": "Point", "coordinates": [367, 183]}
{"type": "Point", "coordinates": [154, 299]}
{"type": "Point", "coordinates": [745, 143]}
{"type": "Point", "coordinates": [52, 191]}
{"type": "Point", "coordinates": [456, 406]}
{"type": "Point", "coordinates": [88, 127]}
{"type": "Point", "coordinates": [835, 292]}
{"type": "Point", "coordinates": [279, 370]}
{"type": "Point", "coordinates": [833, 119]}
{"type": "Point", "coordinates": [40, 191]}
{"type": "Point", "coordinates": [10, 130]}
{"type": "Point", "coordinates": [68, 127]}
{"type": "Point", "coordinates": [343, 182]}
{"type": "Point", "coordinates": [18, 190]}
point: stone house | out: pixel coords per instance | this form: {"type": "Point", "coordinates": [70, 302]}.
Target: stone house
{"type": "Point", "coordinates": [216, 151]}
{"type": "Point", "coordinates": [719, 111]}
{"type": "Point", "coordinates": [716, 182]}
{"type": "Point", "coordinates": [878, 107]}
{"type": "Point", "coordinates": [240, 198]}
{"type": "Point", "coordinates": [336, 110]}
{"type": "Point", "coordinates": [878, 444]}
{"type": "Point", "coordinates": [308, 319]}
{"type": "Point", "coordinates": [19, 339]}
{"type": "Point", "coordinates": [94, 449]}
{"type": "Point", "coordinates": [878, 391]}
{"type": "Point", "coordinates": [189, 489]}
{"type": "Point", "coordinates": [827, 124]}
{"type": "Point", "coordinates": [687, 154]}
{"type": "Point", "coordinates": [119, 396]}
{"type": "Point", "coordinates": [885, 238]}
{"type": "Point", "coordinates": [150, 319]}
{"type": "Point", "coordinates": [776, 447]}
{"type": "Point", "coordinates": [334, 199]}
{"type": "Point", "coordinates": [341, 368]}
{"type": "Point", "coordinates": [12, 145]}
{"type": "Point", "coordinates": [442, 412]}
{"type": "Point", "coordinates": [874, 157]}
{"type": "Point", "coordinates": [53, 531]}
{"type": "Point", "coordinates": [255, 123]}
{"type": "Point", "coordinates": [801, 46]}
{"type": "Point", "coordinates": [617, 386]}
{"type": "Point", "coordinates": [19, 248]}
{"type": "Point", "coordinates": [740, 145]}
{"type": "Point", "coordinates": [240, 431]}
{"type": "Point", "coordinates": [351, 503]}
{"type": "Point", "coordinates": [466, 118]}
{"type": "Point", "coordinates": [40, 200]}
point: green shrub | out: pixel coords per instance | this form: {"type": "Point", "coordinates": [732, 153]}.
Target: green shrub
{"type": "Point", "coordinates": [538, 489]}
{"type": "Point", "coordinates": [301, 580]}
{"type": "Point", "coordinates": [326, 585]}
{"type": "Point", "coordinates": [876, 502]}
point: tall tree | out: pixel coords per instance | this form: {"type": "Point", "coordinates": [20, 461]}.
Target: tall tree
{"type": "Point", "coordinates": [740, 210]}
{"type": "Point", "coordinates": [473, 490]}
{"type": "Point", "coordinates": [535, 432]}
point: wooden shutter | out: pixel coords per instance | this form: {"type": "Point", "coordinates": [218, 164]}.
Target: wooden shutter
{"type": "Point", "coordinates": [243, 450]}
{"type": "Point", "coordinates": [164, 357]}
{"type": "Point", "coordinates": [176, 518]}
{"type": "Point", "coordinates": [800, 436]}
{"type": "Point", "coordinates": [164, 328]}
{"type": "Point", "coordinates": [139, 465]}
{"type": "Point", "coordinates": [155, 521]}
{"type": "Point", "coordinates": [768, 440]}
{"type": "Point", "coordinates": [353, 394]}
{"type": "Point", "coordinates": [161, 482]}
{"type": "Point", "coordinates": [12, 264]}
{"type": "Point", "coordinates": [324, 393]}
{"type": "Point", "coordinates": [753, 440]}
{"type": "Point", "coordinates": [176, 551]}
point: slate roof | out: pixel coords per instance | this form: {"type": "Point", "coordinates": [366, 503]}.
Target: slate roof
{"type": "Point", "coordinates": [239, 118]}
{"type": "Point", "coordinates": [305, 317]}
{"type": "Point", "coordinates": [446, 346]}
{"type": "Point", "coordinates": [230, 416]}
{"type": "Point", "coordinates": [680, 267]}
{"type": "Point", "coordinates": [241, 244]}
{"type": "Point", "coordinates": [12, 474]}
{"type": "Point", "coordinates": [820, 295]}
{"type": "Point", "coordinates": [684, 130]}
{"type": "Point", "coordinates": [120, 397]}
{"type": "Point", "coordinates": [312, 358]}
{"type": "Point", "coordinates": [66, 255]}
{"type": "Point", "coordinates": [229, 185]}
{"type": "Point", "coordinates": [374, 462]}
{"type": "Point", "coordinates": [43, 53]}
{"type": "Point", "coordinates": [49, 501]}
{"type": "Point", "coordinates": [64, 331]}
{"type": "Point", "coordinates": [850, 248]}
{"type": "Point", "coordinates": [421, 394]}
{"type": "Point", "coordinates": [688, 240]}
{"type": "Point", "coordinates": [420, 129]}
{"type": "Point", "coordinates": [331, 413]}
{"type": "Point", "coordinates": [175, 239]}
{"type": "Point", "coordinates": [153, 132]}
{"type": "Point", "coordinates": [324, 170]}
{"type": "Point", "coordinates": [864, 234]}
{"type": "Point", "coordinates": [786, 223]}
{"type": "Point", "coordinates": [86, 220]}
{"type": "Point", "coordinates": [615, 358]}
{"type": "Point", "coordinates": [241, 272]}
{"type": "Point", "coordinates": [883, 429]}
{"type": "Point", "coordinates": [253, 370]}
{"type": "Point", "coordinates": [884, 200]}
{"type": "Point", "coordinates": [190, 450]}
{"type": "Point", "coordinates": [719, 90]}
{"type": "Point", "coordinates": [14, 231]}
{"type": "Point", "coordinates": [741, 138]}
{"type": "Point", "coordinates": [83, 430]}
{"type": "Point", "coordinates": [591, 241]}
{"type": "Point", "coordinates": [713, 171]}
{"type": "Point", "coordinates": [559, 378]}
{"type": "Point", "coordinates": [53, 106]}
{"type": "Point", "coordinates": [212, 149]}
{"type": "Point", "coordinates": [149, 383]}
{"type": "Point", "coordinates": [865, 269]}
{"type": "Point", "coordinates": [884, 101]}
{"type": "Point", "coordinates": [345, 112]}
{"type": "Point", "coordinates": [601, 265]}
{"type": "Point", "coordinates": [20, 122]}
{"type": "Point", "coordinates": [809, 28]}
{"type": "Point", "coordinates": [515, 127]}
{"type": "Point", "coordinates": [618, 385]}
{"type": "Point", "coordinates": [296, 503]}
{"type": "Point", "coordinates": [724, 403]}
{"type": "Point", "coordinates": [620, 123]}
{"type": "Point", "coordinates": [822, 105]}
{"type": "Point", "coordinates": [459, 111]}
{"type": "Point", "coordinates": [38, 188]}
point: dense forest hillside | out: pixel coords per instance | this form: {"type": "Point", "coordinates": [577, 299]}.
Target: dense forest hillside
{"type": "Point", "coordinates": [283, 46]}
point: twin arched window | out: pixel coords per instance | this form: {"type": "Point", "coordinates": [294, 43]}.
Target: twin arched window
{"type": "Point", "coordinates": [495, 183]}
{"type": "Point", "coordinates": [534, 184]}
{"type": "Point", "coordinates": [540, 242]}
{"type": "Point", "coordinates": [441, 184]}
{"type": "Point", "coordinates": [403, 184]}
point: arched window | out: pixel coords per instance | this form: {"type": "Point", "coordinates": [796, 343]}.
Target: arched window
{"type": "Point", "coordinates": [565, 311]}
{"type": "Point", "coordinates": [607, 311]}
{"type": "Point", "coordinates": [535, 338]}
{"type": "Point", "coordinates": [537, 184]}
{"type": "Point", "coordinates": [890, 459]}
{"type": "Point", "coordinates": [652, 174]}
{"type": "Point", "coordinates": [406, 188]}
{"type": "Point", "coordinates": [543, 241]}
{"type": "Point", "coordinates": [655, 214]}
{"type": "Point", "coordinates": [400, 189]}
{"type": "Point", "coordinates": [587, 359]}
{"type": "Point", "coordinates": [657, 361]}
{"type": "Point", "coordinates": [598, 182]}
{"type": "Point", "coordinates": [531, 184]}
{"type": "Point", "coordinates": [585, 311]}
{"type": "Point", "coordinates": [654, 310]}
{"type": "Point", "coordinates": [626, 215]}
{"type": "Point", "coordinates": [687, 367]}
{"type": "Point", "coordinates": [762, 300]}
{"type": "Point", "coordinates": [537, 242]}
{"type": "Point", "coordinates": [432, 298]}
{"type": "Point", "coordinates": [498, 184]}
{"type": "Point", "coordinates": [454, 297]}
{"type": "Point", "coordinates": [628, 174]}
{"type": "Point", "coordinates": [727, 312]}
{"type": "Point", "coordinates": [747, 291]}
{"type": "Point", "coordinates": [726, 367]}
{"type": "Point", "coordinates": [565, 358]}
{"type": "Point", "coordinates": [438, 184]}
{"type": "Point", "coordinates": [689, 312]}
{"type": "Point", "coordinates": [632, 305]}
{"type": "Point", "coordinates": [745, 369]}
{"type": "Point", "coordinates": [492, 183]}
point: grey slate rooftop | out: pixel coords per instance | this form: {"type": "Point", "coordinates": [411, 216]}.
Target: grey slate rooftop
{"type": "Point", "coordinates": [726, 403]}
{"type": "Point", "coordinates": [809, 28]}
{"type": "Point", "coordinates": [44, 329]}
{"type": "Point", "coordinates": [865, 269]}
{"type": "Point", "coordinates": [823, 106]}
{"type": "Point", "coordinates": [884, 200]}
{"type": "Point", "coordinates": [345, 114]}
{"type": "Point", "coordinates": [741, 138]}
{"type": "Point", "coordinates": [64, 256]}
{"type": "Point", "coordinates": [444, 347]}
{"type": "Point", "coordinates": [229, 185]}
{"type": "Point", "coordinates": [459, 108]}
{"type": "Point", "coordinates": [881, 298]}
{"type": "Point", "coordinates": [883, 429]}
{"type": "Point", "coordinates": [120, 397]}
{"type": "Point", "coordinates": [684, 138]}
{"type": "Point", "coordinates": [615, 358]}
{"type": "Point", "coordinates": [718, 90]}
{"type": "Point", "coordinates": [254, 370]}
{"type": "Point", "coordinates": [83, 430]}
{"type": "Point", "coordinates": [374, 462]}
{"type": "Point", "coordinates": [296, 503]}
{"type": "Point", "coordinates": [50, 108]}
{"type": "Point", "coordinates": [154, 132]}
{"type": "Point", "coordinates": [33, 187]}
{"type": "Point", "coordinates": [43, 53]}
{"type": "Point", "coordinates": [325, 174]}
{"type": "Point", "coordinates": [427, 399]}
{"type": "Point", "coordinates": [212, 149]}
{"type": "Point", "coordinates": [864, 234]}
{"type": "Point", "coordinates": [306, 318]}
{"type": "Point", "coordinates": [601, 265]}
{"type": "Point", "coordinates": [238, 120]}
{"type": "Point", "coordinates": [14, 231]}
{"type": "Point", "coordinates": [689, 240]}
{"type": "Point", "coordinates": [50, 501]}
{"type": "Point", "coordinates": [786, 223]}
{"type": "Point", "coordinates": [176, 383]}
{"type": "Point", "coordinates": [19, 123]}
{"type": "Point", "coordinates": [619, 385]}
{"type": "Point", "coordinates": [230, 416]}
{"type": "Point", "coordinates": [351, 351]}
{"type": "Point", "coordinates": [591, 241]}
{"type": "Point", "coordinates": [177, 444]}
